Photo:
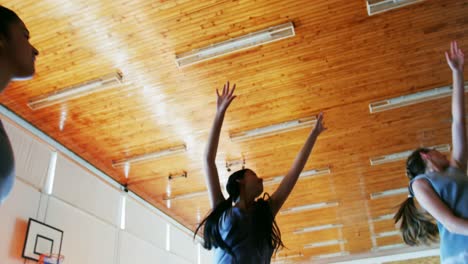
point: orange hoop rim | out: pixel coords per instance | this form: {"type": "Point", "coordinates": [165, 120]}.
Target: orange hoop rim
{"type": "Point", "coordinates": [54, 257]}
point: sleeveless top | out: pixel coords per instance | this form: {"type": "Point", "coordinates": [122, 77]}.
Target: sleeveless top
{"type": "Point", "coordinates": [236, 228]}
{"type": "Point", "coordinates": [452, 188]}
{"type": "Point", "coordinates": [7, 165]}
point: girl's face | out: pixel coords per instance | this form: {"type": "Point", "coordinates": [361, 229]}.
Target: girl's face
{"type": "Point", "coordinates": [252, 183]}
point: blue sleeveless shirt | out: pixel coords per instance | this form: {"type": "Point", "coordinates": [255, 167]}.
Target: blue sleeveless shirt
{"type": "Point", "coordinates": [7, 165]}
{"type": "Point", "coordinates": [452, 188]}
{"type": "Point", "coordinates": [236, 228]}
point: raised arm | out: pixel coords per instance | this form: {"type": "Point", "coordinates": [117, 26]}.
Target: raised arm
{"type": "Point", "coordinates": [456, 62]}
{"type": "Point", "coordinates": [287, 184]}
{"type": "Point", "coordinates": [212, 177]}
{"type": "Point", "coordinates": [431, 202]}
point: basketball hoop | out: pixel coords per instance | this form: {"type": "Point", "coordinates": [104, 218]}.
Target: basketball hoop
{"type": "Point", "coordinates": [51, 259]}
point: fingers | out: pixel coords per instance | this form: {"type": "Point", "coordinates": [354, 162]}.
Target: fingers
{"type": "Point", "coordinates": [228, 94]}
{"type": "Point", "coordinates": [231, 99]}
{"type": "Point", "coordinates": [452, 50]}
{"type": "Point", "coordinates": [449, 61]}
{"type": "Point", "coordinates": [232, 91]}
{"type": "Point", "coordinates": [320, 125]}
{"type": "Point", "coordinates": [320, 117]}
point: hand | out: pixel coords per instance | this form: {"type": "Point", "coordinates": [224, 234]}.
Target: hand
{"type": "Point", "coordinates": [456, 58]}
{"type": "Point", "coordinates": [225, 99]}
{"type": "Point", "coordinates": [319, 126]}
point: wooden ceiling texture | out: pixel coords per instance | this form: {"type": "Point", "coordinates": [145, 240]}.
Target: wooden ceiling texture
{"type": "Point", "coordinates": [340, 60]}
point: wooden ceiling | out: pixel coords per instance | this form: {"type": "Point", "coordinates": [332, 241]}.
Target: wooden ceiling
{"type": "Point", "coordinates": [339, 61]}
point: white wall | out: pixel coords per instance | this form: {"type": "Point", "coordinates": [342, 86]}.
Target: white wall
{"type": "Point", "coordinates": [88, 210]}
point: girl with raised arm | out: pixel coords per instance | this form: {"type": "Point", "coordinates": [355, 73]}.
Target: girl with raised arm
{"type": "Point", "coordinates": [440, 185]}
{"type": "Point", "coordinates": [17, 58]}
{"type": "Point", "coordinates": [242, 228]}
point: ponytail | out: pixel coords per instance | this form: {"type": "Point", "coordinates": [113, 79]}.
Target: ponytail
{"type": "Point", "coordinates": [211, 234]}
{"type": "Point", "coordinates": [416, 227]}
{"type": "Point", "coordinates": [266, 230]}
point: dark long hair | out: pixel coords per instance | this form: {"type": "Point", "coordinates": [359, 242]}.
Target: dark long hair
{"type": "Point", "coordinates": [7, 17]}
{"type": "Point", "coordinates": [266, 230]}
{"type": "Point", "coordinates": [416, 227]}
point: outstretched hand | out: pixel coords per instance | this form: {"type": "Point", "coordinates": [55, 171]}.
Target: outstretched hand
{"type": "Point", "coordinates": [225, 99]}
{"type": "Point", "coordinates": [456, 58]}
{"type": "Point", "coordinates": [319, 125]}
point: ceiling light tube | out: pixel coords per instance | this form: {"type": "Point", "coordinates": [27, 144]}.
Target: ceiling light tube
{"type": "Point", "coordinates": [150, 156]}
{"type": "Point", "coordinates": [379, 6]}
{"type": "Point", "coordinates": [393, 246]}
{"type": "Point", "coordinates": [325, 243]}
{"type": "Point", "coordinates": [303, 175]}
{"type": "Point", "coordinates": [404, 155]}
{"type": "Point", "coordinates": [387, 193]}
{"type": "Point", "coordinates": [332, 255]}
{"type": "Point", "coordinates": [316, 228]}
{"type": "Point", "coordinates": [185, 196]}
{"type": "Point", "coordinates": [274, 129]}
{"type": "Point", "coordinates": [76, 91]}
{"type": "Point", "coordinates": [411, 99]}
{"type": "Point", "coordinates": [308, 207]}
{"type": "Point", "coordinates": [388, 234]}
{"type": "Point", "coordinates": [251, 40]}
{"type": "Point", "coordinates": [383, 217]}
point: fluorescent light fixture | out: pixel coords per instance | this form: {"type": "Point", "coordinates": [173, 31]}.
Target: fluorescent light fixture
{"type": "Point", "coordinates": [150, 156]}
{"type": "Point", "coordinates": [325, 243]}
{"type": "Point", "coordinates": [274, 129]}
{"type": "Point", "coordinates": [404, 155]}
{"type": "Point", "coordinates": [332, 255]}
{"type": "Point", "coordinates": [251, 40]}
{"type": "Point", "coordinates": [383, 217]}
{"type": "Point", "coordinates": [387, 193]}
{"type": "Point", "coordinates": [76, 91]}
{"type": "Point", "coordinates": [316, 228]}
{"type": "Point", "coordinates": [388, 234]}
{"type": "Point", "coordinates": [411, 99]}
{"type": "Point", "coordinates": [185, 196]}
{"type": "Point", "coordinates": [303, 175]}
{"type": "Point", "coordinates": [380, 6]}
{"type": "Point", "coordinates": [308, 207]}
{"type": "Point", "coordinates": [388, 247]}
